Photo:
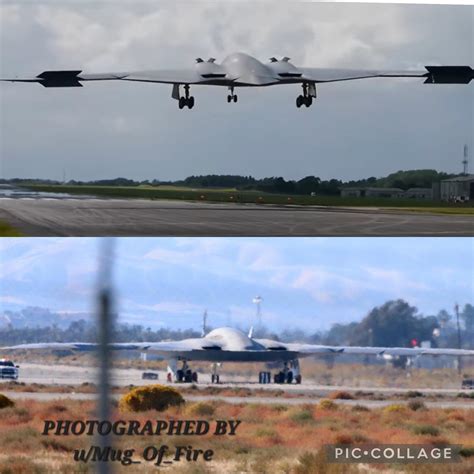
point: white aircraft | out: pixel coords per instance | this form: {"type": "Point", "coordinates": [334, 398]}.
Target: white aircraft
{"type": "Point", "coordinates": [242, 70]}
{"type": "Point", "coordinates": [232, 345]}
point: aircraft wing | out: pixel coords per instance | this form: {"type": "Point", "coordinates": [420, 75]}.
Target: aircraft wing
{"type": "Point", "coordinates": [74, 78]}
{"type": "Point", "coordinates": [305, 350]}
{"type": "Point", "coordinates": [164, 348]}
{"type": "Point", "coordinates": [431, 74]}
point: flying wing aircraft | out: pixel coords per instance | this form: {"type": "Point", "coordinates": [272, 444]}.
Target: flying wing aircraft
{"type": "Point", "coordinates": [232, 345]}
{"type": "Point", "coordinates": [242, 70]}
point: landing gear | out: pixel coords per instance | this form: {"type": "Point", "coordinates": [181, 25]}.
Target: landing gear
{"type": "Point", "coordinates": [309, 92]}
{"type": "Point", "coordinates": [183, 375]}
{"type": "Point", "coordinates": [215, 372]}
{"type": "Point", "coordinates": [289, 373]}
{"type": "Point", "coordinates": [232, 97]}
{"type": "Point", "coordinates": [186, 101]}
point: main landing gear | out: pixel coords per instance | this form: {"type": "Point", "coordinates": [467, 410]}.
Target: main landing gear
{"type": "Point", "coordinates": [231, 97]}
{"type": "Point", "coordinates": [309, 93]}
{"type": "Point", "coordinates": [289, 373]}
{"type": "Point", "coordinates": [187, 100]}
{"type": "Point", "coordinates": [183, 375]}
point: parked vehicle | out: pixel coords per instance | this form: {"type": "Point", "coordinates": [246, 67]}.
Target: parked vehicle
{"type": "Point", "coordinates": [8, 370]}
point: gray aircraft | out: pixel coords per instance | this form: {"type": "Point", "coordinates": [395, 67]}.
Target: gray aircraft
{"type": "Point", "coordinates": [232, 345]}
{"type": "Point", "coordinates": [242, 70]}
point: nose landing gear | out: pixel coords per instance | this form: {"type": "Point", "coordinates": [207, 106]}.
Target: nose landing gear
{"type": "Point", "coordinates": [309, 92]}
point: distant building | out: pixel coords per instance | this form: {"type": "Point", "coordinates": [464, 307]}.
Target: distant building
{"type": "Point", "coordinates": [460, 188]}
{"type": "Point", "coordinates": [419, 193]}
{"type": "Point", "coordinates": [372, 192]}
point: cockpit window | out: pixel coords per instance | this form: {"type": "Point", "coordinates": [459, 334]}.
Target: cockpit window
{"type": "Point", "coordinates": [7, 363]}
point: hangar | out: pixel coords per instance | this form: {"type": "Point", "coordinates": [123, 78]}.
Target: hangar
{"type": "Point", "coordinates": [460, 188]}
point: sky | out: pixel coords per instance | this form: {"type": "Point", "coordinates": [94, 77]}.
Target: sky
{"type": "Point", "coordinates": [305, 283]}
{"type": "Point", "coordinates": [354, 130]}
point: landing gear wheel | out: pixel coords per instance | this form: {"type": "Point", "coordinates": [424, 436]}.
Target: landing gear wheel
{"type": "Point", "coordinates": [299, 101]}
{"type": "Point", "coordinates": [190, 102]}
{"type": "Point", "coordinates": [289, 377]}
{"type": "Point", "coordinates": [195, 377]}
{"type": "Point", "coordinates": [235, 98]}
{"type": "Point", "coordinates": [308, 101]}
{"type": "Point", "coordinates": [298, 379]}
{"type": "Point", "coordinates": [182, 102]}
{"type": "Point", "coordinates": [229, 99]}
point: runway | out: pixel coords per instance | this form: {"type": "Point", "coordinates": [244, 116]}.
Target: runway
{"type": "Point", "coordinates": [71, 216]}
{"type": "Point", "coordinates": [62, 375]}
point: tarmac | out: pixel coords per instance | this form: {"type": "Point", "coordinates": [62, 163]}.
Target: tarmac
{"type": "Point", "coordinates": [86, 216]}
{"type": "Point", "coordinates": [308, 392]}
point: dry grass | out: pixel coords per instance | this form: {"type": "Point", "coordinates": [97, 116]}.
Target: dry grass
{"type": "Point", "coordinates": [271, 438]}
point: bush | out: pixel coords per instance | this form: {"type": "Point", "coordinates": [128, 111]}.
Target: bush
{"type": "Point", "coordinates": [413, 394]}
{"type": "Point", "coordinates": [301, 416]}
{"type": "Point", "coordinates": [341, 395]}
{"type": "Point", "coordinates": [328, 405]}
{"type": "Point", "coordinates": [360, 408]}
{"type": "Point", "coordinates": [426, 430]}
{"type": "Point", "coordinates": [5, 402]}
{"type": "Point", "coordinates": [317, 463]}
{"type": "Point", "coordinates": [150, 397]}
{"type": "Point", "coordinates": [416, 405]}
{"type": "Point", "coordinates": [395, 408]}
{"type": "Point", "coordinates": [466, 452]}
{"type": "Point", "coordinates": [201, 409]}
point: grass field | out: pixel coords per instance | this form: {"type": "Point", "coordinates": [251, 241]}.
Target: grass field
{"type": "Point", "coordinates": [232, 195]}
{"type": "Point", "coordinates": [8, 231]}
{"type": "Point", "coordinates": [270, 439]}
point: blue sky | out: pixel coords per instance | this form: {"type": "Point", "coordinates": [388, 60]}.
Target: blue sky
{"type": "Point", "coordinates": [305, 282]}
{"type": "Point", "coordinates": [355, 129]}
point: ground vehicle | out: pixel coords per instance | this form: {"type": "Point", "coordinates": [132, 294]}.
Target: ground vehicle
{"type": "Point", "coordinates": [8, 370]}
{"type": "Point", "coordinates": [150, 375]}
{"type": "Point", "coordinates": [468, 383]}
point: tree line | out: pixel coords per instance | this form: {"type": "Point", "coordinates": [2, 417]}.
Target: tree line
{"type": "Point", "coordinates": [394, 324]}
{"type": "Point", "coordinates": [310, 184]}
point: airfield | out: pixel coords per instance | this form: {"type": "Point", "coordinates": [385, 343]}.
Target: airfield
{"type": "Point", "coordinates": [68, 382]}
{"type": "Point", "coordinates": [88, 216]}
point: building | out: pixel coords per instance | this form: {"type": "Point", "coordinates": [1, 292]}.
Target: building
{"type": "Point", "coordinates": [459, 189]}
{"type": "Point", "coordinates": [419, 193]}
{"type": "Point", "coordinates": [373, 192]}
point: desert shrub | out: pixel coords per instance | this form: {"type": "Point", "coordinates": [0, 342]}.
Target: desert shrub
{"type": "Point", "coordinates": [358, 437]}
{"type": "Point", "coordinates": [413, 394]}
{"type": "Point", "coordinates": [279, 408]}
{"type": "Point", "coordinates": [317, 463]}
{"type": "Point", "coordinates": [416, 405]}
{"type": "Point", "coordinates": [360, 408]}
{"type": "Point", "coordinates": [465, 395]}
{"type": "Point", "coordinates": [467, 451]}
{"type": "Point", "coordinates": [20, 465]}
{"type": "Point", "coordinates": [327, 405]}
{"type": "Point", "coordinates": [301, 416]}
{"type": "Point", "coordinates": [341, 395]}
{"type": "Point", "coordinates": [343, 438]}
{"type": "Point", "coordinates": [201, 409]}
{"type": "Point", "coordinates": [5, 402]}
{"type": "Point", "coordinates": [151, 397]}
{"type": "Point", "coordinates": [395, 408]}
{"type": "Point", "coordinates": [426, 430]}
{"type": "Point", "coordinates": [266, 433]}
